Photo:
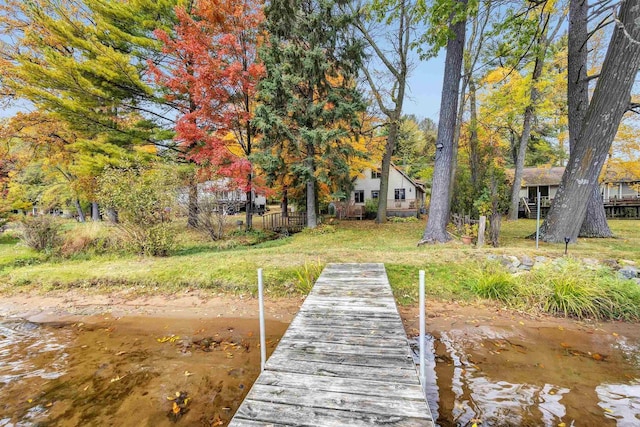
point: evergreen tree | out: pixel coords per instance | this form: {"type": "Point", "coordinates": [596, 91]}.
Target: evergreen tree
{"type": "Point", "coordinates": [310, 104]}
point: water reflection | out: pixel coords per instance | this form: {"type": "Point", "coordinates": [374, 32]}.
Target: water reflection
{"type": "Point", "coordinates": [621, 402]}
{"type": "Point", "coordinates": [28, 350]}
{"type": "Point", "coordinates": [503, 377]}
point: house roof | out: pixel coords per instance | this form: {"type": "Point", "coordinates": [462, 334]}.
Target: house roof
{"type": "Point", "coordinates": [416, 184]}
{"type": "Point", "coordinates": [615, 176]}
{"type": "Point", "coordinates": [553, 176]}
{"type": "Point", "coordinates": [542, 176]}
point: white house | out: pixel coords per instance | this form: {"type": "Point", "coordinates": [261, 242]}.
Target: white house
{"type": "Point", "coordinates": [405, 196]}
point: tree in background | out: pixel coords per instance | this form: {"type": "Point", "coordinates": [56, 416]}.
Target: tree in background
{"type": "Point", "coordinates": [310, 105]}
{"type": "Point", "coordinates": [543, 26]}
{"type": "Point", "coordinates": [389, 47]}
{"type": "Point", "coordinates": [212, 78]}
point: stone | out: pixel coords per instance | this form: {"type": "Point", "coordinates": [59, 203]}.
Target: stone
{"type": "Point", "coordinates": [628, 272]}
{"type": "Point", "coordinates": [492, 257]}
{"type": "Point", "coordinates": [626, 262]}
{"type": "Point", "coordinates": [527, 261]}
{"type": "Point", "coordinates": [541, 259]}
{"type": "Point", "coordinates": [513, 261]}
{"type": "Point", "coordinates": [590, 261]}
{"type": "Point", "coordinates": [612, 263]}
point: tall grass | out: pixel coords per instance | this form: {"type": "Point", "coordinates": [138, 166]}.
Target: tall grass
{"type": "Point", "coordinates": [567, 288]}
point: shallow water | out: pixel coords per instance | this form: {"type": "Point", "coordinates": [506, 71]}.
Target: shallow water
{"type": "Point", "coordinates": [510, 376]}
{"type": "Point", "coordinates": [129, 371]}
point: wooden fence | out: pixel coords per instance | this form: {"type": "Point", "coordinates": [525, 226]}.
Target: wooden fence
{"type": "Point", "coordinates": [292, 223]}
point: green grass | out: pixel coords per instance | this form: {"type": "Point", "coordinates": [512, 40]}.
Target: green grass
{"type": "Point", "coordinates": [453, 270]}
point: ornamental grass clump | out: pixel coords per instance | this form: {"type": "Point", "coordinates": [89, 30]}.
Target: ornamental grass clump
{"type": "Point", "coordinates": [493, 281]}
{"type": "Point", "coordinates": [571, 289]}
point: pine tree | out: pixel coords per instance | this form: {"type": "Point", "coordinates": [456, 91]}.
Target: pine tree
{"type": "Point", "coordinates": [310, 104]}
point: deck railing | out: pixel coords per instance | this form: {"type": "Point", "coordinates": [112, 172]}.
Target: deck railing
{"type": "Point", "coordinates": [292, 223]}
{"type": "Point", "coordinates": [406, 204]}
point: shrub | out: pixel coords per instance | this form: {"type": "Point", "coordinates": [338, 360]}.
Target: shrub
{"type": "Point", "coordinates": [40, 233]}
{"type": "Point", "coordinates": [143, 199]}
{"type": "Point", "coordinates": [371, 206]}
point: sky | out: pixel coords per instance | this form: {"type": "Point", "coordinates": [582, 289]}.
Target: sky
{"type": "Point", "coordinates": [425, 89]}
{"type": "Point", "coordinates": [423, 99]}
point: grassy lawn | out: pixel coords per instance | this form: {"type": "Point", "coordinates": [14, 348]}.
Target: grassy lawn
{"type": "Point", "coordinates": [291, 264]}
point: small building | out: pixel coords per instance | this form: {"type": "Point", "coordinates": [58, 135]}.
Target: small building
{"type": "Point", "coordinates": [543, 180]}
{"type": "Point", "coordinates": [620, 195]}
{"type": "Point", "coordinates": [405, 197]}
{"type": "Point", "coordinates": [226, 196]}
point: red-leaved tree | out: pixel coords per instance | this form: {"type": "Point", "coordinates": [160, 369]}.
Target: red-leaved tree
{"type": "Point", "coordinates": [211, 79]}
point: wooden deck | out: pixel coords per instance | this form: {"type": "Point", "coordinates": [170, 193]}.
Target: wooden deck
{"type": "Point", "coordinates": [344, 361]}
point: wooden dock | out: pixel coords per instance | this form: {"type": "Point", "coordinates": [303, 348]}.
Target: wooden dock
{"type": "Point", "coordinates": [344, 361]}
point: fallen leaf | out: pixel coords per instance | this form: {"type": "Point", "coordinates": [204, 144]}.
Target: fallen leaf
{"type": "Point", "coordinates": [597, 357]}
{"type": "Point", "coordinates": [615, 335]}
{"type": "Point", "coordinates": [49, 405]}
{"type": "Point", "coordinates": [521, 323]}
{"type": "Point", "coordinates": [118, 378]}
{"type": "Point", "coordinates": [562, 425]}
{"type": "Point", "coordinates": [608, 410]}
{"type": "Point", "coordinates": [29, 400]}
{"type": "Point", "coordinates": [187, 373]}
{"type": "Point", "coordinates": [176, 408]}
{"type": "Point", "coordinates": [564, 345]}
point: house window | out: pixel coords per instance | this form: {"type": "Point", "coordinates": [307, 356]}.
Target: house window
{"type": "Point", "coordinates": [375, 194]}
{"type": "Point", "coordinates": [359, 196]}
{"type": "Point", "coordinates": [375, 174]}
{"type": "Point", "coordinates": [399, 194]}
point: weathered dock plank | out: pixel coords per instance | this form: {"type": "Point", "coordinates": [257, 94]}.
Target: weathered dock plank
{"type": "Point", "coordinates": [344, 361]}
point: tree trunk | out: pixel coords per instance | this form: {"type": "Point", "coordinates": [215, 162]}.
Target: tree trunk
{"type": "Point", "coordinates": [440, 204]}
{"type": "Point", "coordinates": [284, 204]}
{"type": "Point", "coordinates": [595, 221]}
{"type": "Point", "coordinates": [494, 228]}
{"type": "Point", "coordinates": [95, 211]}
{"type": "Point", "coordinates": [112, 214]}
{"type": "Point", "coordinates": [192, 214]}
{"type": "Point", "coordinates": [312, 219]}
{"type": "Point", "coordinates": [81, 217]}
{"type": "Point", "coordinates": [529, 116]}
{"type": "Point", "coordinates": [249, 210]}
{"type": "Point", "coordinates": [609, 102]}
{"type": "Point", "coordinates": [249, 205]}
{"type": "Point", "coordinates": [394, 124]}
{"type": "Point", "coordinates": [474, 155]}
